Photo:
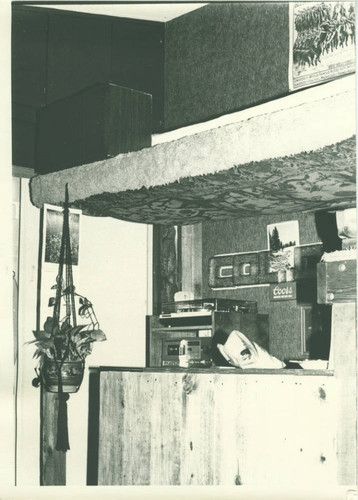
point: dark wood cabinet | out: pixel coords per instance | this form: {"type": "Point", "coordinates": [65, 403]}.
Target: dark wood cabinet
{"type": "Point", "coordinates": [299, 330]}
{"type": "Point", "coordinates": [337, 281]}
{"type": "Point", "coordinates": [94, 124]}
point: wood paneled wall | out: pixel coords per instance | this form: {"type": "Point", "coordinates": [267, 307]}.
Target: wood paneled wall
{"type": "Point", "coordinates": [216, 429]}
{"type": "Point", "coordinates": [52, 462]}
{"type": "Point", "coordinates": [250, 234]}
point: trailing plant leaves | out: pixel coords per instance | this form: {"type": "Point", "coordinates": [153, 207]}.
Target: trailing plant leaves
{"type": "Point", "coordinates": [54, 287]}
{"type": "Point", "coordinates": [69, 289]}
{"type": "Point", "coordinates": [40, 335]}
{"type": "Point", "coordinates": [38, 353]}
{"type": "Point", "coordinates": [45, 344]}
{"type": "Point", "coordinates": [66, 325]}
{"type": "Point", "coordinates": [83, 309]}
{"type": "Point", "coordinates": [97, 335]}
{"type": "Point", "coordinates": [86, 348]}
{"type": "Point", "coordinates": [76, 329]}
{"type": "Point", "coordinates": [49, 324]}
{"type": "Point", "coordinates": [60, 335]}
{"type": "Point", "coordinates": [52, 301]}
{"type": "Point", "coordinates": [59, 343]}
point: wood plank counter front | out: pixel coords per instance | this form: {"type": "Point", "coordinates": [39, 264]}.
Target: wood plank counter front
{"type": "Point", "coordinates": [212, 427]}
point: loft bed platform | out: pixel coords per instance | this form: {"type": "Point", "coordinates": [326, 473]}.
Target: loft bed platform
{"type": "Point", "coordinates": [269, 159]}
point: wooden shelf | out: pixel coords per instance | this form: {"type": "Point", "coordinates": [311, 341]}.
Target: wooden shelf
{"type": "Point", "coordinates": [213, 370]}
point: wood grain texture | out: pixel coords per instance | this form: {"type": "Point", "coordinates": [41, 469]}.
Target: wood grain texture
{"type": "Point", "coordinates": [217, 429]}
{"type": "Point", "coordinates": [98, 122]}
{"type": "Point", "coordinates": [93, 429]}
{"type": "Point", "coordinates": [337, 281]}
{"type": "Point", "coordinates": [52, 462]}
{"type": "Point", "coordinates": [191, 259]}
{"type": "Point", "coordinates": [344, 361]}
{"type": "Point", "coordinates": [168, 264]}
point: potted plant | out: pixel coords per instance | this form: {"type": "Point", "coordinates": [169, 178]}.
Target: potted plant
{"type": "Point", "coordinates": [62, 345]}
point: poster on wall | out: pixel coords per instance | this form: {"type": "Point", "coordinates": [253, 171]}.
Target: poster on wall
{"type": "Point", "coordinates": [282, 237]}
{"type": "Point", "coordinates": [52, 234]}
{"type": "Point", "coordinates": [322, 42]}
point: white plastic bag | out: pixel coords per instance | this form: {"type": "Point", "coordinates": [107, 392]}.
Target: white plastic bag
{"type": "Point", "coordinates": [239, 351]}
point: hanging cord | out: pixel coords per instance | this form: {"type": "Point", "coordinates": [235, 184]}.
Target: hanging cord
{"type": "Point", "coordinates": [62, 443]}
{"type": "Point", "coordinates": [16, 365]}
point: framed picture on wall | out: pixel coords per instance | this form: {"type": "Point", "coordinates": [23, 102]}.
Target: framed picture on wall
{"type": "Point", "coordinates": [52, 234]}
{"type": "Point", "coordinates": [282, 237]}
{"type": "Point", "coordinates": [322, 42]}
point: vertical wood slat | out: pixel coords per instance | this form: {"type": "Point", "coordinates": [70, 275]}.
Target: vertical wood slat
{"type": "Point", "coordinates": [197, 450]}
{"type": "Point", "coordinates": [344, 362]}
{"type": "Point", "coordinates": [191, 259]}
{"type": "Point", "coordinates": [93, 124]}
{"type": "Point", "coordinates": [52, 462]}
{"type": "Point", "coordinates": [157, 278]}
{"type": "Point", "coordinates": [224, 429]}
{"type": "Point", "coordinates": [93, 429]}
{"type": "Point", "coordinates": [166, 430]}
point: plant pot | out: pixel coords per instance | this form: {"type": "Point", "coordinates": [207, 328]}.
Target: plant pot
{"type": "Point", "coordinates": [71, 375]}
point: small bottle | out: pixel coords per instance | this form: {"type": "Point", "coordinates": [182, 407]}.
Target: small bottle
{"type": "Point", "coordinates": [183, 356]}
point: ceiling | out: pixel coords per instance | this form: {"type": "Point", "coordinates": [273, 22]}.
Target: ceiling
{"type": "Point", "coordinates": [162, 12]}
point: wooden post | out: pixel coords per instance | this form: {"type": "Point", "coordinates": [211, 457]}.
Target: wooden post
{"type": "Point", "coordinates": [343, 356]}
{"type": "Point", "coordinates": [52, 462]}
{"type": "Point", "coordinates": [192, 259]}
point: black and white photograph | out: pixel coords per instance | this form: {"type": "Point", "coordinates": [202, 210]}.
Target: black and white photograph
{"type": "Point", "coordinates": [178, 250]}
{"type": "Point", "coordinates": [282, 239]}
{"type": "Point", "coordinates": [323, 41]}
{"type": "Point", "coordinates": [53, 226]}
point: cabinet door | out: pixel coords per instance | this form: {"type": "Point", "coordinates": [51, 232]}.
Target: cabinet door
{"type": "Point", "coordinates": [285, 330]}
{"type": "Point", "coordinates": [299, 331]}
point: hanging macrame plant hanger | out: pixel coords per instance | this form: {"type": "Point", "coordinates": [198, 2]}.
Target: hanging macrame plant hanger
{"type": "Point", "coordinates": [68, 377]}
{"type": "Point", "coordinates": [64, 288]}
{"type": "Point", "coordinates": [62, 345]}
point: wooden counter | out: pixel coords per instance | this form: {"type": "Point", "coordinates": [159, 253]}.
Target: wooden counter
{"type": "Point", "coordinates": [227, 426]}
{"type": "Point", "coordinates": [212, 427]}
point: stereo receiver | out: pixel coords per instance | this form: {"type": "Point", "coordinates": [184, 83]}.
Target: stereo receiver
{"type": "Point", "coordinates": [194, 352]}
